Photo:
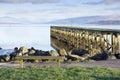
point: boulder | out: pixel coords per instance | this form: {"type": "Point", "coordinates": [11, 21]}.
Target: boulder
{"type": "Point", "coordinates": [53, 53]}
{"type": "Point", "coordinates": [31, 52]}
{"type": "Point", "coordinates": [79, 52]}
{"type": "Point", "coordinates": [74, 57]}
{"type": "Point", "coordinates": [62, 52]}
{"type": "Point", "coordinates": [37, 52]}
{"type": "Point", "coordinates": [23, 50]}
{"type": "Point", "coordinates": [41, 53]}
{"type": "Point", "coordinates": [14, 54]}
{"type": "Point", "coordinates": [25, 55]}
{"type": "Point", "coordinates": [5, 57]}
{"type": "Point", "coordinates": [111, 56]}
{"type": "Point", "coordinates": [47, 53]}
{"type": "Point", "coordinates": [86, 56]}
{"type": "Point", "coordinates": [16, 49]}
{"type": "Point", "coordinates": [19, 54]}
{"type": "Point", "coordinates": [100, 56]}
{"type": "Point", "coordinates": [94, 51]}
{"type": "Point", "coordinates": [117, 55]}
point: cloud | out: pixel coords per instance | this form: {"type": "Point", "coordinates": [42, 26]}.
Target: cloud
{"type": "Point", "coordinates": [12, 20]}
{"type": "Point", "coordinates": [110, 1]}
{"type": "Point", "coordinates": [114, 8]}
{"type": "Point", "coordinates": [94, 2]}
{"type": "Point", "coordinates": [29, 1]}
{"type": "Point", "coordinates": [102, 2]}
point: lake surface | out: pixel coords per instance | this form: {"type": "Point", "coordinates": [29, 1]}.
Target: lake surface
{"type": "Point", "coordinates": [33, 35]}
{"type": "Point", "coordinates": [37, 36]}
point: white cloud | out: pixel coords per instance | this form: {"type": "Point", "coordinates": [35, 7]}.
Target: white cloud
{"type": "Point", "coordinates": [110, 1]}
{"type": "Point", "coordinates": [29, 1]}
{"type": "Point", "coordinates": [95, 2]}
{"type": "Point", "coordinates": [39, 13]}
{"type": "Point", "coordinates": [42, 13]}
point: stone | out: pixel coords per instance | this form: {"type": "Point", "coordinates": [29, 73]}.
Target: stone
{"type": "Point", "coordinates": [70, 52]}
{"type": "Point", "coordinates": [86, 56]}
{"type": "Point", "coordinates": [100, 56]}
{"type": "Point", "coordinates": [5, 57]}
{"type": "Point", "coordinates": [94, 52]}
{"type": "Point", "coordinates": [16, 49]}
{"type": "Point", "coordinates": [23, 50]}
{"type": "Point", "coordinates": [19, 54]}
{"type": "Point", "coordinates": [14, 54]}
{"type": "Point", "coordinates": [117, 55]}
{"type": "Point", "coordinates": [54, 53]}
{"type": "Point", "coordinates": [31, 52]}
{"type": "Point", "coordinates": [75, 57]}
{"type": "Point", "coordinates": [111, 57]}
{"type": "Point", "coordinates": [79, 52]}
{"type": "Point", "coordinates": [62, 52]}
{"type": "Point", "coordinates": [25, 55]}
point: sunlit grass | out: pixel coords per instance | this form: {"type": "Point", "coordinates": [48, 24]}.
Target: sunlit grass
{"type": "Point", "coordinates": [73, 73]}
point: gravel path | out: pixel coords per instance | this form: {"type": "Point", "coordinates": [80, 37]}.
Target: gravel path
{"type": "Point", "coordinates": [107, 63]}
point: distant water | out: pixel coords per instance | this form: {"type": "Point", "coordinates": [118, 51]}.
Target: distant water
{"type": "Point", "coordinates": [102, 26]}
{"type": "Point", "coordinates": [16, 35]}
{"type": "Point", "coordinates": [91, 26]}
{"type": "Point", "coordinates": [6, 51]}
{"type": "Point", "coordinates": [33, 35]}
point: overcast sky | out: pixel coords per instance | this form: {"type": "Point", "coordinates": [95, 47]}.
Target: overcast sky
{"type": "Point", "coordinates": [41, 11]}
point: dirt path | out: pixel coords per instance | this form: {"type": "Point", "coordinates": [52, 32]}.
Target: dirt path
{"type": "Point", "coordinates": [107, 63]}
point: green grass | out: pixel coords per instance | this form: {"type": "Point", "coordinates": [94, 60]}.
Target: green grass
{"type": "Point", "coordinates": [73, 73]}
